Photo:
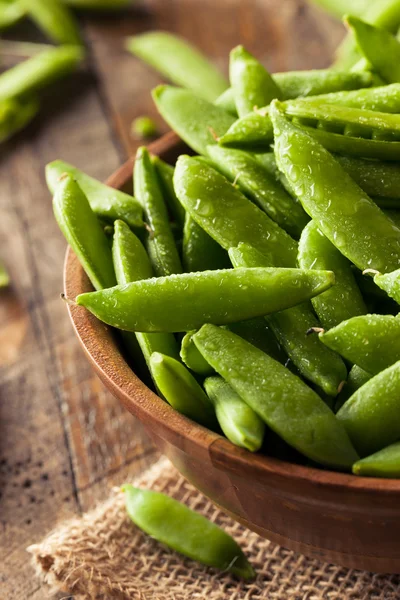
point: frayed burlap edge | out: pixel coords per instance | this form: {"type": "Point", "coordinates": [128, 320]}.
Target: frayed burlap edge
{"type": "Point", "coordinates": [103, 556]}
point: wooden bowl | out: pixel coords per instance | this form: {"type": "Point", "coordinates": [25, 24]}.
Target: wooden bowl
{"type": "Point", "coordinates": [340, 518]}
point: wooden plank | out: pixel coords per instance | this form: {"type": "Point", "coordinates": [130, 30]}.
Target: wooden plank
{"type": "Point", "coordinates": [283, 35]}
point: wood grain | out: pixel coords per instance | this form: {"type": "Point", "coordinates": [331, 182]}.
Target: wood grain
{"type": "Point", "coordinates": [63, 439]}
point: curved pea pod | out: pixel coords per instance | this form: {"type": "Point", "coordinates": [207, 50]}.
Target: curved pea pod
{"type": "Point", "coordinates": [108, 204]}
{"type": "Point", "coordinates": [10, 14]}
{"type": "Point", "coordinates": [83, 233]}
{"type": "Point", "coordinates": [192, 357]}
{"type": "Point", "coordinates": [390, 283]}
{"type": "Point", "coordinates": [161, 244]}
{"type": "Point", "coordinates": [370, 341]}
{"type": "Point", "coordinates": [262, 188]}
{"type": "Point", "coordinates": [181, 390]}
{"type": "Point", "coordinates": [356, 378]}
{"type": "Point", "coordinates": [241, 425]}
{"type": "Point", "coordinates": [227, 215]}
{"type": "Point", "coordinates": [15, 115]}
{"type": "Point", "coordinates": [384, 98]}
{"type": "Point", "coordinates": [369, 414]}
{"type": "Point", "coordinates": [54, 19]}
{"type": "Point", "coordinates": [356, 146]}
{"type": "Point", "coordinates": [325, 369]}
{"type": "Point", "coordinates": [344, 300]}
{"type": "Point", "coordinates": [165, 173]}
{"type": "Point", "coordinates": [162, 517]}
{"type": "Point", "coordinates": [253, 132]}
{"type": "Point", "coordinates": [384, 463]}
{"type": "Point", "coordinates": [131, 263]}
{"type": "Point", "coordinates": [376, 178]}
{"type": "Point", "coordinates": [184, 302]}
{"type": "Point", "coordinates": [179, 61]}
{"type": "Point", "coordinates": [380, 48]}
{"type": "Point", "coordinates": [40, 70]}
{"type": "Point", "coordinates": [194, 119]}
{"type": "Point", "coordinates": [251, 83]}
{"type": "Point", "coordinates": [199, 251]}
{"type": "Point", "coordinates": [343, 212]}
{"type": "Point", "coordinates": [293, 410]}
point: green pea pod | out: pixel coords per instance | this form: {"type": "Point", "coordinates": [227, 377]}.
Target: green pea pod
{"type": "Point", "coordinates": [192, 357]}
{"type": "Point", "coordinates": [344, 300]}
{"type": "Point", "coordinates": [293, 411]}
{"type": "Point", "coordinates": [131, 263]}
{"type": "Point", "coordinates": [262, 188]}
{"type": "Point", "coordinates": [83, 233]}
{"type": "Point", "coordinates": [4, 276]}
{"type": "Point", "coordinates": [324, 369]}
{"type": "Point", "coordinates": [370, 341]}
{"type": "Point", "coordinates": [379, 47]}
{"type": "Point", "coordinates": [54, 19]}
{"type": "Point", "coordinates": [165, 174]}
{"type": "Point", "coordinates": [251, 83]}
{"type": "Point", "coordinates": [10, 14]}
{"type": "Point", "coordinates": [241, 425]}
{"type": "Point", "coordinates": [368, 416]}
{"type": "Point", "coordinates": [300, 84]}
{"type": "Point", "coordinates": [162, 517]}
{"type": "Point", "coordinates": [384, 98]}
{"type": "Point", "coordinates": [376, 178]}
{"type": "Point", "coordinates": [343, 212]}
{"type": "Point", "coordinates": [181, 390]}
{"type": "Point", "coordinates": [384, 463]}
{"type": "Point", "coordinates": [356, 378]}
{"type": "Point", "coordinates": [253, 132]}
{"type": "Point", "coordinates": [390, 283]}
{"type": "Point", "coordinates": [39, 71]}
{"type": "Point", "coordinates": [258, 333]}
{"type": "Point", "coordinates": [228, 216]}
{"type": "Point", "coordinates": [194, 119]}
{"type": "Point", "coordinates": [384, 14]}
{"type": "Point", "coordinates": [15, 115]}
{"type": "Point", "coordinates": [161, 244]}
{"type": "Point", "coordinates": [184, 302]}
{"type": "Point", "coordinates": [108, 204]}
{"type": "Point", "coordinates": [180, 62]}
{"type": "Point", "coordinates": [338, 8]}
{"type": "Point", "coordinates": [199, 251]}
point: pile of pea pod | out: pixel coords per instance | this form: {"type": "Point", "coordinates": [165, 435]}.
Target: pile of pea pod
{"type": "Point", "coordinates": [258, 280]}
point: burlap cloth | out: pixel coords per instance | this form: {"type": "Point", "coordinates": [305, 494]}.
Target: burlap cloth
{"type": "Point", "coordinates": [103, 556]}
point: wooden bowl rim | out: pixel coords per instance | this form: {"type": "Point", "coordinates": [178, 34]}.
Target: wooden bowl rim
{"type": "Point", "coordinates": [120, 378]}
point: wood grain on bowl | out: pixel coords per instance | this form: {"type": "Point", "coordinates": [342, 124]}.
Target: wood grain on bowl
{"type": "Point", "coordinates": [337, 517]}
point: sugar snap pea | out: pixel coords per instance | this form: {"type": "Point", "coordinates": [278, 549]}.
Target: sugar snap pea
{"type": "Point", "coordinates": [324, 369]}
{"type": "Point", "coordinates": [54, 19]}
{"type": "Point", "coordinates": [293, 410]}
{"type": "Point", "coordinates": [379, 46]}
{"type": "Point", "coordinates": [181, 390]}
{"type": "Point", "coordinates": [370, 341]}
{"type": "Point", "coordinates": [165, 174]}
{"type": "Point", "coordinates": [131, 263]}
{"type": "Point", "coordinates": [192, 357]}
{"type": "Point", "coordinates": [108, 204]}
{"type": "Point", "coordinates": [40, 70]}
{"type": "Point", "coordinates": [262, 188]}
{"type": "Point", "coordinates": [162, 517]}
{"type": "Point", "coordinates": [343, 212]}
{"type": "Point", "coordinates": [368, 416]}
{"type": "Point", "coordinates": [344, 300]}
{"type": "Point", "coordinates": [83, 233]}
{"type": "Point", "coordinates": [184, 302]}
{"type": "Point", "coordinates": [199, 251]}
{"type": "Point", "coordinates": [161, 244]}
{"type": "Point", "coordinates": [384, 463]}
{"type": "Point", "coordinates": [241, 425]}
{"type": "Point", "coordinates": [252, 85]}
{"type": "Point", "coordinates": [180, 62]}
{"type": "Point", "coordinates": [15, 115]}
{"type": "Point", "coordinates": [376, 178]}
{"type": "Point", "coordinates": [227, 101]}
{"type": "Point", "coordinates": [194, 119]}
{"type": "Point", "coordinates": [356, 378]}
{"type": "Point", "coordinates": [390, 283]}
{"type": "Point", "coordinates": [10, 14]}
{"type": "Point", "coordinates": [227, 215]}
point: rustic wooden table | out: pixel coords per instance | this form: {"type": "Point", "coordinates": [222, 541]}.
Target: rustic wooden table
{"type": "Point", "coordinates": [64, 441]}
